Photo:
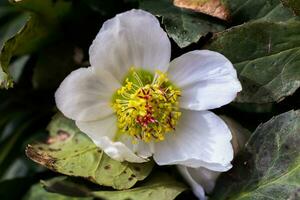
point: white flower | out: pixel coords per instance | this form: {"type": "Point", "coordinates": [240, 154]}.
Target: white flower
{"type": "Point", "coordinates": [134, 103]}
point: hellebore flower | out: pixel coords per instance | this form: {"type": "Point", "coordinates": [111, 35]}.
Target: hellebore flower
{"type": "Point", "coordinates": [134, 103]}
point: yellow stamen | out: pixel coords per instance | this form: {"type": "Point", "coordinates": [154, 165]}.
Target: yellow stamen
{"type": "Point", "coordinates": [147, 106]}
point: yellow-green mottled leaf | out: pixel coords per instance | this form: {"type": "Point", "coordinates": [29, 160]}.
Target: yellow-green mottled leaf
{"type": "Point", "coordinates": [269, 168]}
{"type": "Point", "coordinates": [160, 186]}
{"type": "Point", "coordinates": [71, 152]}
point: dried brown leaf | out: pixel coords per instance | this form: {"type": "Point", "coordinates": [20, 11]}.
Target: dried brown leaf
{"type": "Point", "coordinates": [214, 8]}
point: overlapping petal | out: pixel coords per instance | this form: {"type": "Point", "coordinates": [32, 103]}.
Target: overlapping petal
{"type": "Point", "coordinates": [201, 139]}
{"type": "Point", "coordinates": [207, 80]}
{"type": "Point", "coordinates": [132, 38]}
{"type": "Point", "coordinates": [103, 132]}
{"type": "Point", "coordinates": [85, 95]}
{"type": "Point", "coordinates": [200, 179]}
{"type": "Point", "coordinates": [140, 148]}
{"type": "Point", "coordinates": [196, 187]}
{"type": "Point", "coordinates": [99, 128]}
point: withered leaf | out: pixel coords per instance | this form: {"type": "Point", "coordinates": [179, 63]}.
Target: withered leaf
{"type": "Point", "coordinates": [215, 8]}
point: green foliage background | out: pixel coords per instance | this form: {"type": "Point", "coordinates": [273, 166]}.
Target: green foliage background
{"type": "Point", "coordinates": [41, 42]}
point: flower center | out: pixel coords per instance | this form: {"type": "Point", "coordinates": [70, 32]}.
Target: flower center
{"type": "Point", "coordinates": [147, 106]}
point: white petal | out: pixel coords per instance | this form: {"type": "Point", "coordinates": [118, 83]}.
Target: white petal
{"type": "Point", "coordinates": [201, 139]}
{"type": "Point", "coordinates": [132, 38]}
{"type": "Point", "coordinates": [207, 79]}
{"type": "Point", "coordinates": [85, 94]}
{"type": "Point", "coordinates": [197, 188]}
{"type": "Point", "coordinates": [202, 176]}
{"type": "Point", "coordinates": [140, 148]}
{"type": "Point", "coordinates": [106, 127]}
{"type": "Point", "coordinates": [103, 132]}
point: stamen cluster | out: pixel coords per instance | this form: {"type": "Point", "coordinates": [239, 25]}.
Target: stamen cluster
{"type": "Point", "coordinates": [147, 106]}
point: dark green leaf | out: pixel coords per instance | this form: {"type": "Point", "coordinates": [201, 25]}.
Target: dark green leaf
{"type": "Point", "coordinates": [71, 152]}
{"type": "Point", "coordinates": [266, 56]}
{"type": "Point", "coordinates": [269, 168]}
{"type": "Point", "coordinates": [17, 66]}
{"type": "Point", "coordinates": [244, 11]}
{"type": "Point", "coordinates": [49, 10]}
{"type": "Point", "coordinates": [12, 22]}
{"type": "Point", "coordinates": [38, 193]}
{"type": "Point", "coordinates": [11, 139]}
{"type": "Point", "coordinates": [40, 28]}
{"type": "Point", "coordinates": [183, 26]}
{"type": "Point", "coordinates": [22, 114]}
{"type": "Point", "coordinates": [65, 186]}
{"type": "Point", "coordinates": [25, 41]}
